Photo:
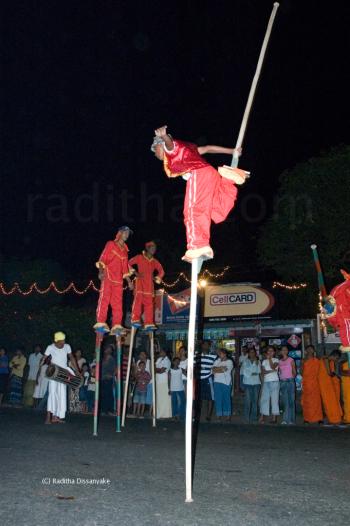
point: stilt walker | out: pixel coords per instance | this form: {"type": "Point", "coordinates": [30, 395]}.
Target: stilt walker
{"type": "Point", "coordinates": [99, 338]}
{"type": "Point", "coordinates": [118, 391]}
{"type": "Point", "coordinates": [113, 269]}
{"type": "Point", "coordinates": [209, 197]}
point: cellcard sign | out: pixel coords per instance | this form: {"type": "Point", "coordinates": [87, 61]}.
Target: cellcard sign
{"type": "Point", "coordinates": [224, 302]}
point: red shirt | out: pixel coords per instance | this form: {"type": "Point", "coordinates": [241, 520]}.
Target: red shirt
{"type": "Point", "coordinates": [114, 261]}
{"type": "Point", "coordinates": [143, 378]}
{"type": "Point", "coordinates": [184, 158]}
{"type": "Point", "coordinates": [147, 267]}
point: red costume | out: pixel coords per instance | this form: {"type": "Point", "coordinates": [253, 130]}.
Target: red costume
{"type": "Point", "coordinates": [209, 197]}
{"type": "Point", "coordinates": [340, 317]}
{"type": "Point", "coordinates": [114, 262]}
{"type": "Point", "coordinates": [144, 288]}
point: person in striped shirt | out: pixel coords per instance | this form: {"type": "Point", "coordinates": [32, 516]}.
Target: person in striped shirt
{"type": "Point", "coordinates": [205, 389]}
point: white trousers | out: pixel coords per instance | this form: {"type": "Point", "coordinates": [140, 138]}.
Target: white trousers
{"type": "Point", "coordinates": [270, 394]}
{"type": "Point", "coordinates": [57, 400]}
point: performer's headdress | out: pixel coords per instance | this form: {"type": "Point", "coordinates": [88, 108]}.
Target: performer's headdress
{"type": "Point", "coordinates": [124, 228]}
{"type": "Point", "coordinates": [59, 337]}
{"type": "Point", "coordinates": [156, 140]}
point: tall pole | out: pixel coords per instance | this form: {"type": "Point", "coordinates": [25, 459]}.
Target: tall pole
{"type": "Point", "coordinates": [99, 338]}
{"type": "Point", "coordinates": [234, 162]}
{"type": "Point", "coordinates": [118, 390]}
{"type": "Point", "coordinates": [322, 292]}
{"type": "Point", "coordinates": [153, 380]}
{"type": "Point", "coordinates": [195, 267]}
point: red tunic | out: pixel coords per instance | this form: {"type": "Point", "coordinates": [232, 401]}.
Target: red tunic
{"type": "Point", "coordinates": [144, 288]}
{"type": "Point", "coordinates": [341, 318]}
{"type": "Point", "coordinates": [184, 158]}
{"type": "Point", "coordinates": [114, 261]}
{"type": "Point", "coordinates": [147, 267]}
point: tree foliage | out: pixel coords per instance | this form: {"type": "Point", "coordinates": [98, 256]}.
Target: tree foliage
{"type": "Point", "coordinates": [312, 206]}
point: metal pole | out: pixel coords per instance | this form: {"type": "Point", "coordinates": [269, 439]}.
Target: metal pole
{"type": "Point", "coordinates": [234, 162]}
{"type": "Point", "coordinates": [195, 266]}
{"type": "Point", "coordinates": [126, 387]}
{"type": "Point", "coordinates": [118, 391]}
{"type": "Point", "coordinates": [153, 380]}
{"type": "Point", "coordinates": [99, 338]}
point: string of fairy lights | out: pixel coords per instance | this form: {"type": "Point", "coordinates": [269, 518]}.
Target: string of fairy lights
{"type": "Point", "coordinates": [182, 276]}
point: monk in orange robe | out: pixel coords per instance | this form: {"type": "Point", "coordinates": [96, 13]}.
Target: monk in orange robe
{"type": "Point", "coordinates": [330, 387]}
{"type": "Point", "coordinates": [311, 396]}
{"type": "Point", "coordinates": [345, 387]}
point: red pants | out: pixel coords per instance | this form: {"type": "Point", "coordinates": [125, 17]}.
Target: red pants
{"type": "Point", "coordinates": [110, 294]}
{"type": "Point", "coordinates": [143, 302]}
{"type": "Point", "coordinates": [209, 197]}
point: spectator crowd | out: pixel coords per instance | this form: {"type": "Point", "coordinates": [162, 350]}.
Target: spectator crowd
{"type": "Point", "coordinates": [266, 384]}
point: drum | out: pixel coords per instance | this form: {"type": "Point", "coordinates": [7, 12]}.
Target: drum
{"type": "Point", "coordinates": [64, 376]}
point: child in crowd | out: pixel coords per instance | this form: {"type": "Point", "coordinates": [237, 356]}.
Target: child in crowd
{"type": "Point", "coordinates": [142, 378]}
{"type": "Point", "coordinates": [176, 390]}
{"type": "Point", "coordinates": [83, 389]}
{"type": "Point", "coordinates": [90, 394]}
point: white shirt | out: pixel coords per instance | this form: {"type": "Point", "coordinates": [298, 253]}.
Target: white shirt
{"type": "Point", "coordinates": [183, 366]}
{"type": "Point", "coordinates": [225, 377]}
{"type": "Point", "coordinates": [176, 382]}
{"type": "Point", "coordinates": [58, 356]}
{"type": "Point", "coordinates": [251, 371]}
{"type": "Point", "coordinates": [242, 359]}
{"type": "Point", "coordinates": [33, 362]}
{"type": "Point", "coordinates": [272, 377]}
{"type": "Point", "coordinates": [162, 378]}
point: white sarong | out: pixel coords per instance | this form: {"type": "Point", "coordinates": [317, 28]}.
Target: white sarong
{"type": "Point", "coordinates": [163, 400]}
{"type": "Point", "coordinates": [57, 400]}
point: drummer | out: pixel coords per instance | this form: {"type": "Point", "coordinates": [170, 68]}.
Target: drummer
{"type": "Point", "coordinates": [60, 352]}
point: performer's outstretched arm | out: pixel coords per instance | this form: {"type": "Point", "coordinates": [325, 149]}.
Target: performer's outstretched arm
{"type": "Point", "coordinates": [161, 132]}
{"type": "Point", "coordinates": [212, 148]}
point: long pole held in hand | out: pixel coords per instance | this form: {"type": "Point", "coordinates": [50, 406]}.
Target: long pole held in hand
{"type": "Point", "coordinates": [234, 162]}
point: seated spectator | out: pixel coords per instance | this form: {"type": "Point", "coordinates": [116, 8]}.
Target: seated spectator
{"type": "Point", "coordinates": [4, 373]}
{"type": "Point", "coordinates": [270, 387]}
{"type": "Point", "coordinates": [142, 379]}
{"type": "Point", "coordinates": [33, 362]}
{"type": "Point", "coordinates": [17, 365]}
{"type": "Point", "coordinates": [251, 370]}
{"type": "Point", "coordinates": [176, 390]}
{"type": "Point", "coordinates": [222, 370]}
{"type": "Point", "coordinates": [287, 374]}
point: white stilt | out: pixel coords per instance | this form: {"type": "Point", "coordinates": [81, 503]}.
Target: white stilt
{"type": "Point", "coordinates": [153, 379]}
{"type": "Point", "coordinates": [195, 268]}
{"type": "Point", "coordinates": [126, 387]}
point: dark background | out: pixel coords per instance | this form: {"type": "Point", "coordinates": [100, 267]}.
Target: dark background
{"type": "Point", "coordinates": [84, 84]}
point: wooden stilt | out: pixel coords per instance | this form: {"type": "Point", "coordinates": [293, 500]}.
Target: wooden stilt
{"type": "Point", "coordinates": [118, 390]}
{"type": "Point", "coordinates": [151, 336]}
{"type": "Point", "coordinates": [99, 338]}
{"type": "Point", "coordinates": [126, 387]}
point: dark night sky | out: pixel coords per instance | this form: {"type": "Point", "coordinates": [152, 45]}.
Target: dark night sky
{"type": "Point", "coordinates": [84, 83]}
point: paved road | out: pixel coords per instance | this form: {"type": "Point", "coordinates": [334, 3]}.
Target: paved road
{"type": "Point", "coordinates": [244, 475]}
